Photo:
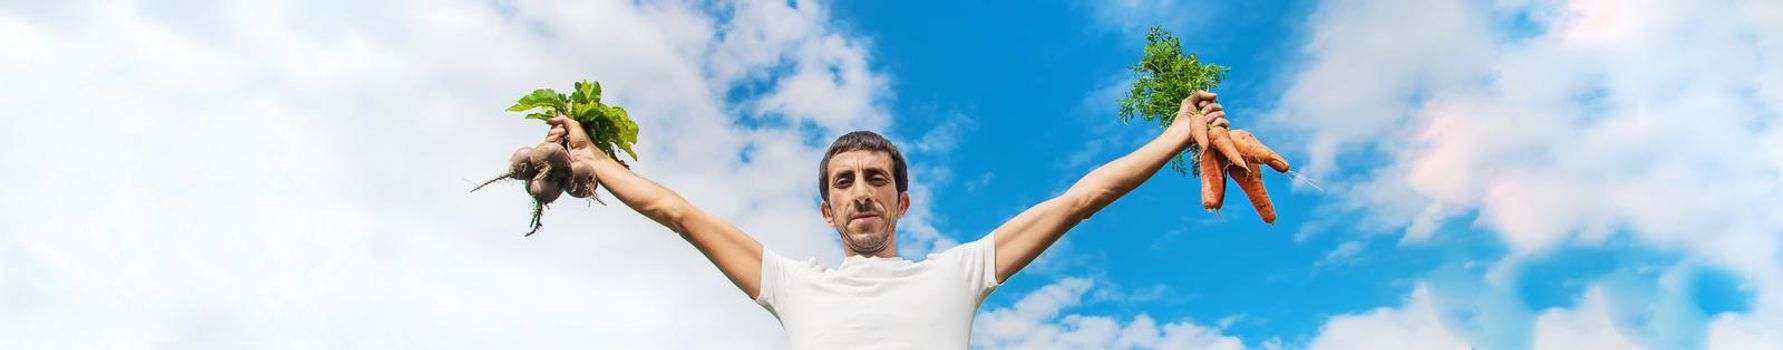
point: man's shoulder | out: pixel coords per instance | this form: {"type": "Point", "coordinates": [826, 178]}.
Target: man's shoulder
{"type": "Point", "coordinates": [809, 263]}
{"type": "Point", "coordinates": [977, 246]}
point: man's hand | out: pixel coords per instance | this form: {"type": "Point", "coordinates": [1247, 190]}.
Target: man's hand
{"type": "Point", "coordinates": [581, 149]}
{"type": "Point", "coordinates": [1202, 106]}
{"type": "Point", "coordinates": [1212, 111]}
{"type": "Point", "coordinates": [1206, 102]}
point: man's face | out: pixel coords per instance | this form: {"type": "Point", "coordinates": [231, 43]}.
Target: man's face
{"type": "Point", "coordinates": [864, 204]}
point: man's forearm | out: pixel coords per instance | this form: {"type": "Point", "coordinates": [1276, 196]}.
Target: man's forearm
{"type": "Point", "coordinates": [735, 254]}
{"type": "Point", "coordinates": [1022, 239]}
{"type": "Point", "coordinates": [647, 197]}
{"type": "Point", "coordinates": [1113, 180]}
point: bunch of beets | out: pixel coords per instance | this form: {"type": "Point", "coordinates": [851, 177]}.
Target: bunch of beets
{"type": "Point", "coordinates": [547, 168]}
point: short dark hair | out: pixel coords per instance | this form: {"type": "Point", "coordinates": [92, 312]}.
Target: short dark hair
{"type": "Point", "coordinates": [862, 140]}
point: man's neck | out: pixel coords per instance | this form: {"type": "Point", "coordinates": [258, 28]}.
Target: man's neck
{"type": "Point", "coordinates": [890, 251]}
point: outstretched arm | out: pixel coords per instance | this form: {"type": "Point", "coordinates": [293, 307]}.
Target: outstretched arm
{"type": "Point", "coordinates": [1024, 237]}
{"type": "Point", "coordinates": [736, 254]}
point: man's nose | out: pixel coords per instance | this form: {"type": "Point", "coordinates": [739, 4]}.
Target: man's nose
{"type": "Point", "coordinates": [863, 202]}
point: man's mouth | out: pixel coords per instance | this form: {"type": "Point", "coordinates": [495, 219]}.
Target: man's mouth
{"type": "Point", "coordinates": [863, 218]}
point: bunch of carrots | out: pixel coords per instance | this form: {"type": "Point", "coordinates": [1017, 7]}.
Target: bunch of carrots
{"type": "Point", "coordinates": [1164, 80]}
{"type": "Point", "coordinates": [1234, 153]}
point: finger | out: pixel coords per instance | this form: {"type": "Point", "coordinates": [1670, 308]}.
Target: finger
{"type": "Point", "coordinates": [578, 138]}
{"type": "Point", "coordinates": [1211, 107]}
{"type": "Point", "coordinates": [1202, 98]}
{"type": "Point", "coordinates": [1219, 120]}
{"type": "Point", "coordinates": [566, 123]}
{"type": "Point", "coordinates": [1189, 104]}
{"type": "Point", "coordinates": [555, 135]}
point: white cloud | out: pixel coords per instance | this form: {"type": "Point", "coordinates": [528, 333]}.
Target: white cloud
{"type": "Point", "coordinates": [1633, 307]}
{"type": "Point", "coordinates": [829, 82]}
{"type": "Point", "coordinates": [289, 174]}
{"type": "Point", "coordinates": [1586, 326]}
{"type": "Point", "coordinates": [1136, 16]}
{"type": "Point", "coordinates": [1035, 322]}
{"type": "Point", "coordinates": [944, 137]}
{"type": "Point", "coordinates": [1414, 325]}
{"type": "Point", "coordinates": [1654, 119]}
{"type": "Point", "coordinates": [1344, 253]}
{"type": "Point", "coordinates": [982, 181]}
{"type": "Point", "coordinates": [1548, 138]}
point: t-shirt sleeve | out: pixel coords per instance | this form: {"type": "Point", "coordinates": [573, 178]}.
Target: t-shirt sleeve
{"type": "Point", "coordinates": [977, 261]}
{"type": "Point", "coordinates": [775, 273]}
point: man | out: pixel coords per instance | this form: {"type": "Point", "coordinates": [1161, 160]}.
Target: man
{"type": "Point", "coordinates": [876, 299]}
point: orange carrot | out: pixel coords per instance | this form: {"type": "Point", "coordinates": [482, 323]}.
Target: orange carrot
{"type": "Point", "coordinates": [1213, 181]}
{"type": "Point", "coordinates": [1223, 142]}
{"type": "Point", "coordinates": [1252, 184]}
{"type": "Point", "coordinates": [1255, 151]}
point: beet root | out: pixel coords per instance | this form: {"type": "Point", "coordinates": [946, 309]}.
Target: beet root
{"type": "Point", "coordinates": [544, 190]}
{"type": "Point", "coordinates": [550, 157]}
{"type": "Point", "coordinates": [582, 180]}
{"type": "Point", "coordinates": [519, 168]}
{"type": "Point", "coordinates": [520, 164]}
{"type": "Point", "coordinates": [549, 173]}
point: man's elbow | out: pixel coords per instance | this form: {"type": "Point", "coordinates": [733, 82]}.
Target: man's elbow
{"type": "Point", "coordinates": [670, 213]}
{"type": "Point", "coordinates": [1082, 205]}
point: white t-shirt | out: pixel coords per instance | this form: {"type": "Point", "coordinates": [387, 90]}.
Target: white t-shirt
{"type": "Point", "coordinates": [880, 303]}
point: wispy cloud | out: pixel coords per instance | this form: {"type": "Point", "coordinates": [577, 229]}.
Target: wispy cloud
{"type": "Point", "coordinates": [1135, 16]}
{"type": "Point", "coordinates": [1345, 253]}
{"type": "Point", "coordinates": [1586, 326]}
{"type": "Point", "coordinates": [930, 157]}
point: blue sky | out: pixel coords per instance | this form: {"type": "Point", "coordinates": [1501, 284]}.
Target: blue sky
{"type": "Point", "coordinates": [1039, 72]}
{"type": "Point", "coordinates": [1032, 73]}
{"type": "Point", "coordinates": [1503, 174]}
{"type": "Point", "coordinates": [1024, 74]}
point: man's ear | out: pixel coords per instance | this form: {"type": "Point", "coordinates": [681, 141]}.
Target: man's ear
{"type": "Point", "coordinates": [824, 207]}
{"type": "Point", "coordinates": [903, 203]}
